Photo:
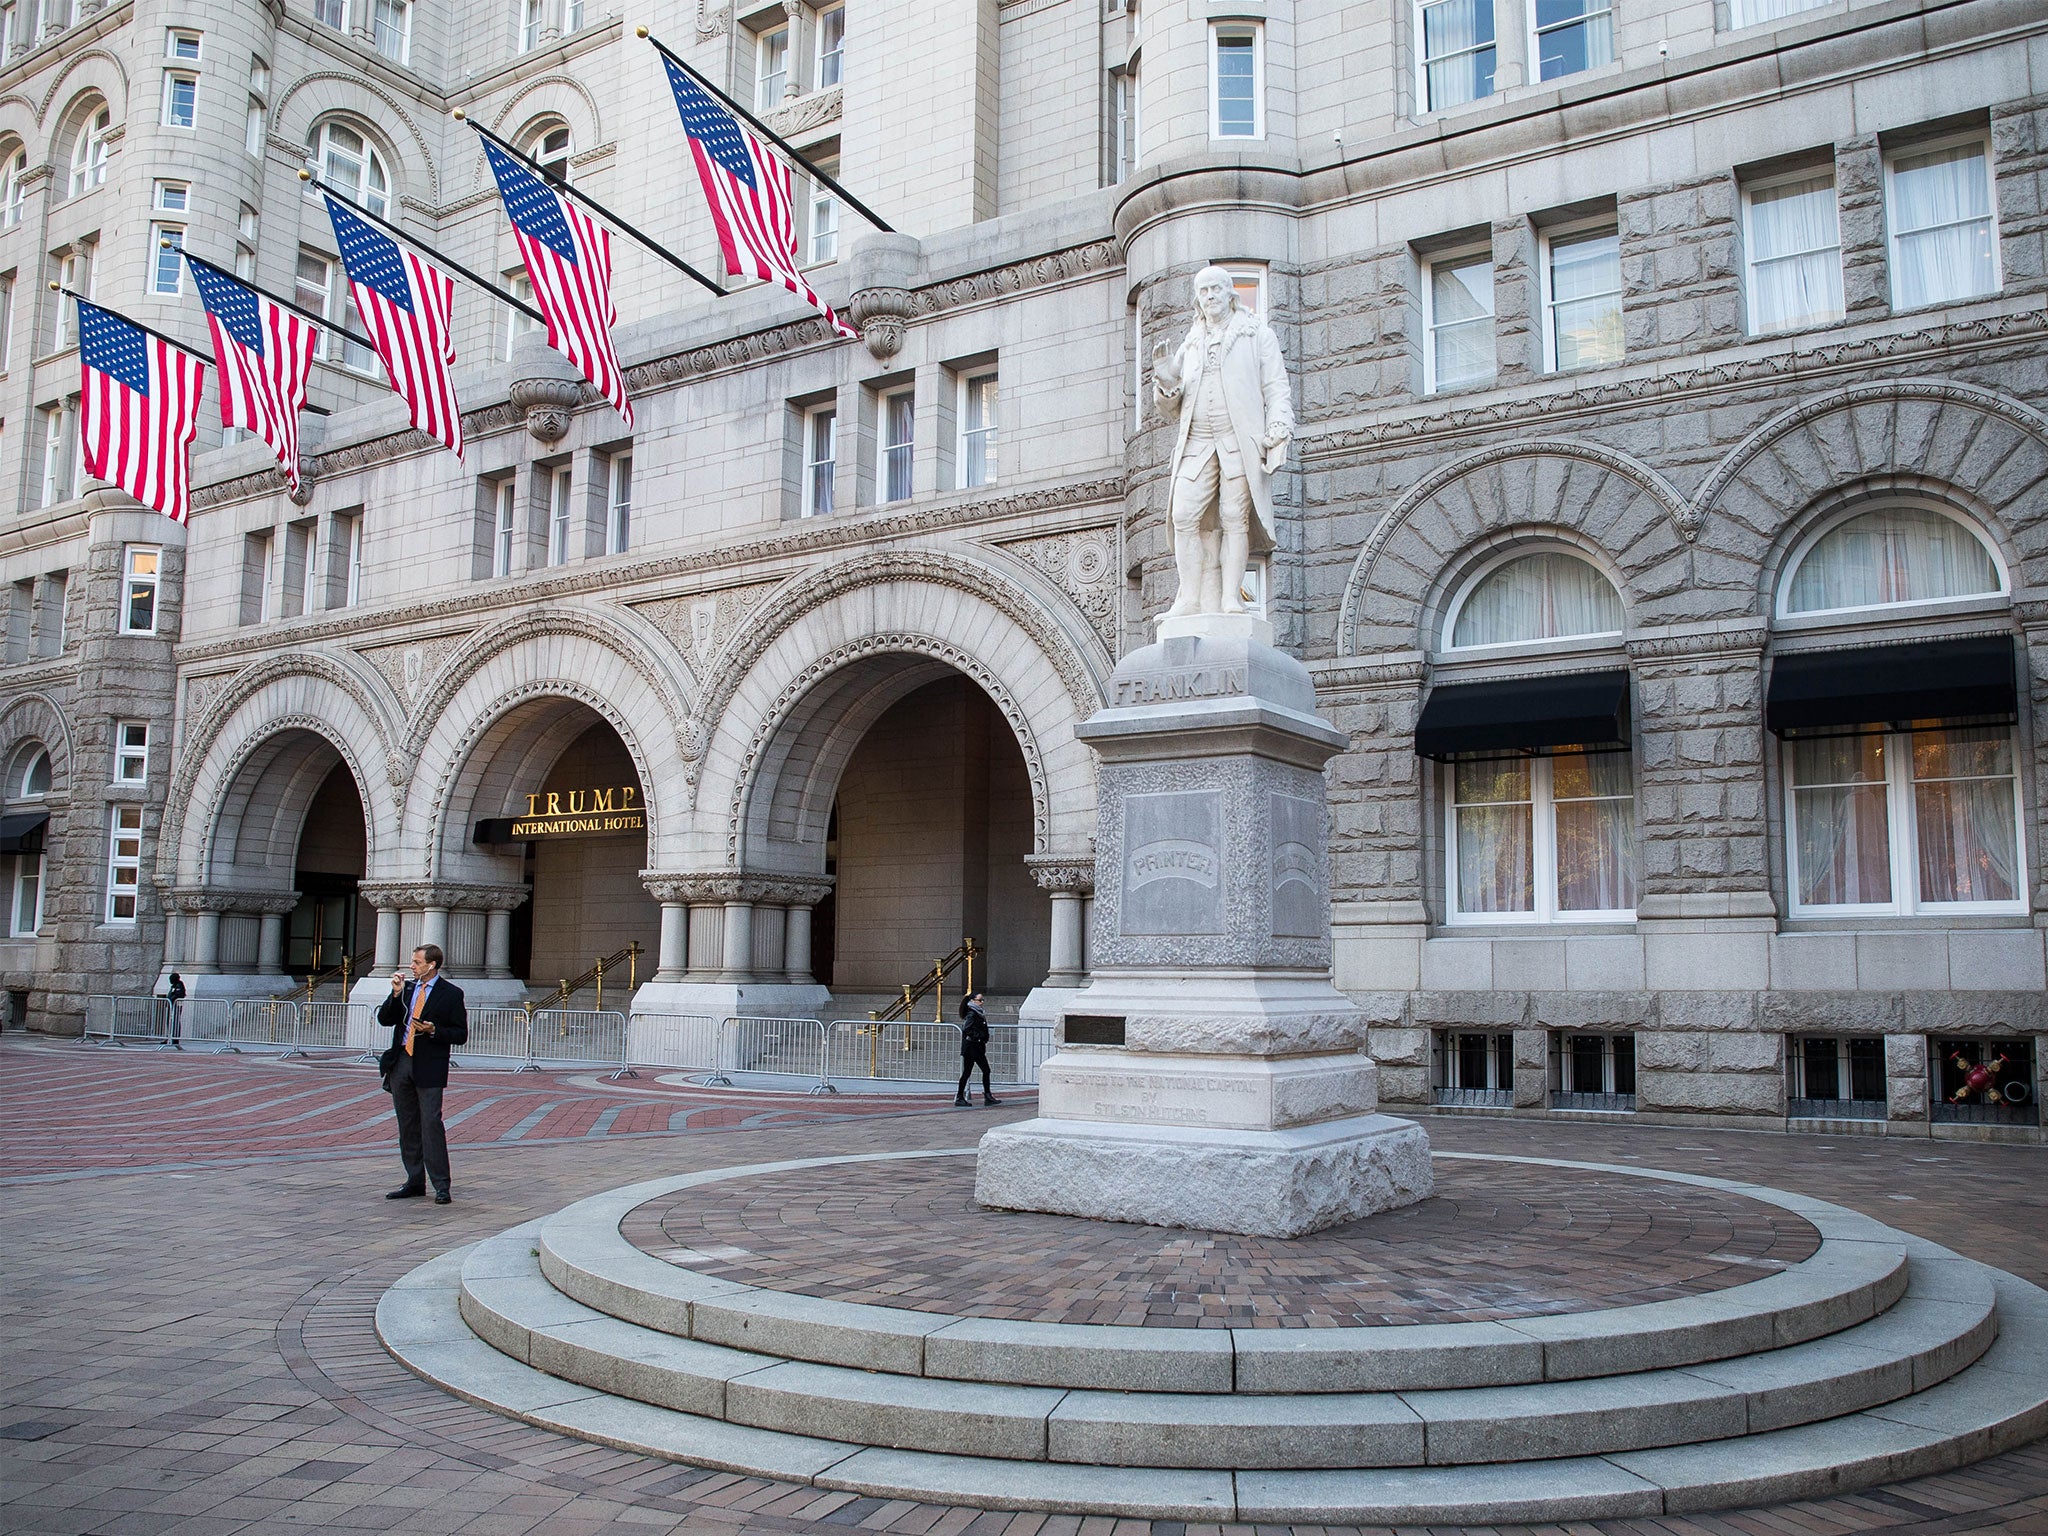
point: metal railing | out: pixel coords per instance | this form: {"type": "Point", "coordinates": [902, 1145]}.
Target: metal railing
{"type": "Point", "coordinates": [1472, 1098]}
{"type": "Point", "coordinates": [556, 1036]}
{"type": "Point", "coordinates": [899, 1052]}
{"type": "Point", "coordinates": [771, 1047]}
{"type": "Point", "coordinates": [933, 985]}
{"type": "Point", "coordinates": [689, 1041]}
{"type": "Point", "coordinates": [1016, 1051]}
{"type": "Point", "coordinates": [571, 985]}
{"type": "Point", "coordinates": [222, 1024]}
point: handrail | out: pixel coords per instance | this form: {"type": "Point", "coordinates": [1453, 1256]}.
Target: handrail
{"type": "Point", "coordinates": [570, 986]}
{"type": "Point", "coordinates": [932, 982]}
{"type": "Point", "coordinates": [350, 965]}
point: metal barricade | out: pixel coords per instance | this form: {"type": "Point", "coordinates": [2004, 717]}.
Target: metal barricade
{"type": "Point", "coordinates": [500, 1032]}
{"type": "Point", "coordinates": [110, 1019]}
{"type": "Point", "coordinates": [328, 1026]}
{"type": "Point", "coordinates": [580, 1035]}
{"type": "Point", "coordinates": [1016, 1051]}
{"type": "Point", "coordinates": [896, 1051]}
{"type": "Point", "coordinates": [685, 1040]}
{"type": "Point", "coordinates": [232, 1024]}
{"type": "Point", "coordinates": [773, 1048]}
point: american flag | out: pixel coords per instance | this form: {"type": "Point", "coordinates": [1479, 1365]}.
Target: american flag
{"type": "Point", "coordinates": [405, 305]}
{"type": "Point", "coordinates": [749, 193]}
{"type": "Point", "coordinates": [265, 356]}
{"type": "Point", "coordinates": [138, 409]}
{"type": "Point", "coordinates": [569, 263]}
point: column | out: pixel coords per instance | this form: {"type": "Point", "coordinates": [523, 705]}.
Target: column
{"type": "Point", "coordinates": [1070, 880]}
{"type": "Point", "coordinates": [206, 955]}
{"type": "Point", "coordinates": [1066, 969]}
{"type": "Point", "coordinates": [434, 926]}
{"type": "Point", "coordinates": [498, 944]}
{"type": "Point", "coordinates": [387, 939]}
{"type": "Point", "coordinates": [739, 941]}
{"type": "Point", "coordinates": [673, 892]}
{"type": "Point", "coordinates": [796, 945]}
{"type": "Point", "coordinates": [269, 943]}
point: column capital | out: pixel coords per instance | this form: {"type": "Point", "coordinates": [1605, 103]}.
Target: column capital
{"type": "Point", "coordinates": [1073, 873]}
{"type": "Point", "coordinates": [451, 896]}
{"type": "Point", "coordinates": [727, 886]}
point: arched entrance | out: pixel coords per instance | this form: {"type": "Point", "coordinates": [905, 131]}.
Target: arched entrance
{"type": "Point", "coordinates": [331, 923]}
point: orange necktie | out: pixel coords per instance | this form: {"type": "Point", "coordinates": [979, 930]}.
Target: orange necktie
{"type": "Point", "coordinates": [419, 1001]}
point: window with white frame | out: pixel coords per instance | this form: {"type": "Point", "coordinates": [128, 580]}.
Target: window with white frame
{"type": "Point", "coordinates": [26, 916]}
{"type": "Point", "coordinates": [59, 427]}
{"type": "Point", "coordinates": [824, 214]}
{"type": "Point", "coordinates": [181, 101]}
{"type": "Point", "coordinates": [572, 17]}
{"type": "Point", "coordinates": [246, 224]}
{"type": "Point", "coordinates": [1236, 80]}
{"type": "Point", "coordinates": [1835, 1077]}
{"type": "Point", "coordinates": [619, 504]}
{"type": "Point", "coordinates": [1592, 1071]}
{"type": "Point", "coordinates": [312, 288]}
{"type": "Point", "coordinates": [771, 68]}
{"type": "Point", "coordinates": [320, 284]}
{"type": "Point", "coordinates": [259, 75]}
{"type": "Point", "coordinates": [302, 569]}
{"type": "Point", "coordinates": [10, 40]}
{"type": "Point", "coordinates": [1582, 298]}
{"type": "Point", "coordinates": [77, 272]}
{"type": "Point", "coordinates": [899, 439]}
{"type": "Point", "coordinates": [1793, 243]}
{"type": "Point", "coordinates": [252, 128]}
{"type": "Point", "coordinates": [13, 188]}
{"type": "Point", "coordinates": [1456, 52]}
{"type": "Point", "coordinates": [1889, 557]}
{"type": "Point", "coordinates": [831, 67]}
{"type": "Point", "coordinates": [131, 751]}
{"type": "Point", "coordinates": [6, 320]}
{"type": "Point", "coordinates": [550, 148]}
{"type": "Point", "coordinates": [166, 259]}
{"type": "Point", "coordinates": [391, 29]}
{"type": "Point", "coordinates": [259, 577]}
{"type": "Point", "coordinates": [1752, 13]}
{"type": "Point", "coordinates": [560, 515]}
{"type": "Point", "coordinates": [350, 164]}
{"type": "Point", "coordinates": [1526, 598]}
{"type": "Point", "coordinates": [1898, 822]}
{"type": "Point", "coordinates": [37, 777]}
{"type": "Point", "coordinates": [90, 153]}
{"type": "Point", "coordinates": [504, 528]}
{"type": "Point", "coordinates": [821, 459]}
{"type": "Point", "coordinates": [1123, 123]}
{"type": "Point", "coordinates": [331, 13]}
{"type": "Point", "coordinates": [182, 45]}
{"type": "Point", "coordinates": [977, 416]}
{"type": "Point", "coordinates": [348, 552]}
{"type": "Point", "coordinates": [1474, 1069]}
{"type": "Point", "coordinates": [140, 566]}
{"type": "Point", "coordinates": [1457, 319]}
{"type": "Point", "coordinates": [1248, 283]}
{"type": "Point", "coordinates": [124, 862]}
{"type": "Point", "coordinates": [518, 323]}
{"type": "Point", "coordinates": [1571, 35]}
{"type": "Point", "coordinates": [1542, 839]}
{"type": "Point", "coordinates": [1944, 242]}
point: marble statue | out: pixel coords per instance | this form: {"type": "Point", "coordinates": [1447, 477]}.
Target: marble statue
{"type": "Point", "coordinates": [1236, 418]}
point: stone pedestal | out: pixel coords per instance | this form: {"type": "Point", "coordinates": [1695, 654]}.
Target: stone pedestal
{"type": "Point", "coordinates": [1210, 1074]}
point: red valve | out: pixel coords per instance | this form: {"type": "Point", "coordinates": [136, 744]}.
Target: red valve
{"type": "Point", "coordinates": [1978, 1076]}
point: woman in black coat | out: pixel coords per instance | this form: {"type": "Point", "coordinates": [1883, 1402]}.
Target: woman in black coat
{"type": "Point", "coordinates": [973, 1050]}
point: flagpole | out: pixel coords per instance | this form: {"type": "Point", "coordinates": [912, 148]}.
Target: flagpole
{"type": "Point", "coordinates": [780, 142]}
{"type": "Point", "coordinates": [282, 303]}
{"type": "Point", "coordinates": [147, 330]}
{"type": "Point", "coordinates": [416, 243]}
{"type": "Point", "coordinates": [593, 204]}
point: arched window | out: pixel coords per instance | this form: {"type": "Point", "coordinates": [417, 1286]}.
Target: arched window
{"type": "Point", "coordinates": [550, 146]}
{"type": "Point", "coordinates": [13, 188]}
{"type": "Point", "coordinates": [90, 153]}
{"type": "Point", "coordinates": [1548, 595]}
{"type": "Point", "coordinates": [35, 776]}
{"type": "Point", "coordinates": [350, 164]}
{"type": "Point", "coordinates": [1893, 555]}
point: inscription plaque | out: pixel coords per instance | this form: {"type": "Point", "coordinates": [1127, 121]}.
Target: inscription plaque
{"type": "Point", "coordinates": [1298, 861]}
{"type": "Point", "coordinates": [1094, 1029]}
{"type": "Point", "coordinates": [1173, 862]}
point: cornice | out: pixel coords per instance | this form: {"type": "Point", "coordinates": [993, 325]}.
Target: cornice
{"type": "Point", "coordinates": [1735, 640]}
{"type": "Point", "coordinates": [1329, 677]}
{"type": "Point", "coordinates": [76, 38]}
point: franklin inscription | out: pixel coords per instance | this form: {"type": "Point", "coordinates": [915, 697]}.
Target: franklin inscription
{"type": "Point", "coordinates": [1170, 687]}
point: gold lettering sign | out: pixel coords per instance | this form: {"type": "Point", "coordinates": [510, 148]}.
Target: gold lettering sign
{"type": "Point", "coordinates": [581, 813]}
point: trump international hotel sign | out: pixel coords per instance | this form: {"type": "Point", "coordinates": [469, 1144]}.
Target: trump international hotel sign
{"type": "Point", "coordinates": [569, 813]}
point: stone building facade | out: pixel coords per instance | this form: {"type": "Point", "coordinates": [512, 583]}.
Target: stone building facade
{"type": "Point", "coordinates": [1670, 381]}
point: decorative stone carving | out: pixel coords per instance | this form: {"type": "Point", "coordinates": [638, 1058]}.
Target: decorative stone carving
{"type": "Point", "coordinates": [409, 665]}
{"type": "Point", "coordinates": [1084, 564]}
{"type": "Point", "coordinates": [547, 405]}
{"type": "Point", "coordinates": [1062, 872]}
{"type": "Point", "coordinates": [454, 896]}
{"type": "Point", "coordinates": [806, 112]}
{"type": "Point", "coordinates": [712, 21]}
{"type": "Point", "coordinates": [701, 623]}
{"type": "Point", "coordinates": [879, 314]}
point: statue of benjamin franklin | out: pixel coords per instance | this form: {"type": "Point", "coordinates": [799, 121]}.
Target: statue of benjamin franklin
{"type": "Point", "coordinates": [1236, 418]}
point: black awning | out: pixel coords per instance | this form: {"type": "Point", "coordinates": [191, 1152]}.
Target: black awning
{"type": "Point", "coordinates": [1525, 714]}
{"type": "Point", "coordinates": [23, 832]}
{"type": "Point", "coordinates": [492, 830]}
{"type": "Point", "coordinates": [1968, 678]}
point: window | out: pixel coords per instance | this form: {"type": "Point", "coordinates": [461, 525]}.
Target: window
{"type": "Point", "coordinates": [259, 75]}
{"type": "Point", "coordinates": [1123, 123]}
{"type": "Point", "coordinates": [1474, 1070]}
{"type": "Point", "coordinates": [1943, 245]}
{"type": "Point", "coordinates": [124, 862]}
{"type": "Point", "coordinates": [245, 264]}
{"type": "Point", "coordinates": [1981, 1082]}
{"type": "Point", "coordinates": [182, 45]}
{"type": "Point", "coordinates": [13, 188]}
{"type": "Point", "coordinates": [6, 320]}
{"type": "Point", "coordinates": [89, 155]}
{"type": "Point", "coordinates": [504, 524]}
{"type": "Point", "coordinates": [558, 515]}
{"type": "Point", "coordinates": [1542, 839]}
{"type": "Point", "coordinates": [1526, 598]}
{"type": "Point", "coordinates": [771, 69]}
{"type": "Point", "coordinates": [831, 45]}
{"type": "Point", "coordinates": [301, 567]}
{"type": "Point", "coordinates": [181, 101]}
{"type": "Point", "coordinates": [139, 567]}
{"type": "Point", "coordinates": [348, 163]}
{"type": "Point", "coordinates": [1457, 298]}
{"type": "Point", "coordinates": [619, 505]}
{"type": "Point", "coordinates": [331, 13]}
{"type": "Point", "coordinates": [1590, 1071]}
{"type": "Point", "coordinates": [318, 285]}
{"type": "Point", "coordinates": [825, 214]}
{"type": "Point", "coordinates": [518, 323]}
{"type": "Point", "coordinates": [572, 16]}
{"type": "Point", "coordinates": [166, 264]}
{"type": "Point", "coordinates": [27, 914]}
{"type": "Point", "coordinates": [391, 29]}
{"type": "Point", "coordinates": [172, 197]}
{"type": "Point", "coordinates": [131, 751]}
{"type": "Point", "coordinates": [1248, 282]}
{"type": "Point", "coordinates": [75, 271]}
{"type": "Point", "coordinates": [36, 778]}
{"type": "Point", "coordinates": [1898, 822]}
{"type": "Point", "coordinates": [310, 289]}
{"type": "Point", "coordinates": [977, 430]}
{"type": "Point", "coordinates": [246, 224]}
{"type": "Point", "coordinates": [345, 585]}
{"type": "Point", "coordinates": [57, 422]}
{"type": "Point", "coordinates": [550, 147]}
{"type": "Point", "coordinates": [1834, 1078]}
{"type": "Point", "coordinates": [10, 44]}
{"type": "Point", "coordinates": [529, 24]}
{"type": "Point", "coordinates": [1236, 64]}
{"type": "Point", "coordinates": [259, 577]}
{"type": "Point", "coordinates": [1456, 52]}
{"type": "Point", "coordinates": [1750, 13]}
{"type": "Point", "coordinates": [1795, 254]}
{"type": "Point", "coordinates": [1889, 557]}
{"type": "Point", "coordinates": [252, 128]}
{"type": "Point", "coordinates": [1572, 35]}
{"type": "Point", "coordinates": [899, 437]}
{"type": "Point", "coordinates": [1582, 295]}
{"type": "Point", "coordinates": [821, 449]}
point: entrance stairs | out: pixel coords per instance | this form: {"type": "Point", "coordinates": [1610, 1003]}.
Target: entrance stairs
{"type": "Point", "coordinates": [1881, 1357]}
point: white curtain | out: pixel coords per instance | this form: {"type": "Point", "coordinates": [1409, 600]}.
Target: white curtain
{"type": "Point", "coordinates": [1795, 255]}
{"type": "Point", "coordinates": [1596, 831]}
{"type": "Point", "coordinates": [1941, 215]}
{"type": "Point", "coordinates": [1461, 321]}
{"type": "Point", "coordinates": [1893, 555]}
{"type": "Point", "coordinates": [1459, 68]}
{"type": "Point", "coordinates": [1747, 13]}
{"type": "Point", "coordinates": [1842, 825]}
{"type": "Point", "coordinates": [1538, 597]}
{"type": "Point", "coordinates": [1964, 814]}
{"type": "Point", "coordinates": [1496, 843]}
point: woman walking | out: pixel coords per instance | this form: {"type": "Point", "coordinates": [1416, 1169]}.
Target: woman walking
{"type": "Point", "coordinates": [973, 1050]}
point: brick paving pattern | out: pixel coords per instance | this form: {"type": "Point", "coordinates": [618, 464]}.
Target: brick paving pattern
{"type": "Point", "coordinates": [191, 1352]}
{"type": "Point", "coordinates": [1498, 1241]}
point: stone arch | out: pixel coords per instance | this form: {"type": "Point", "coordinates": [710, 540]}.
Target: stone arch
{"type": "Point", "coordinates": [312, 99]}
{"type": "Point", "coordinates": [94, 72]}
{"type": "Point", "coordinates": [1612, 507]}
{"type": "Point", "coordinates": [35, 717]}
{"type": "Point", "coordinates": [266, 789]}
{"type": "Point", "coordinates": [1979, 450]}
{"type": "Point", "coordinates": [551, 96]}
{"type": "Point", "coordinates": [471, 714]}
{"type": "Point", "coordinates": [310, 694]}
{"type": "Point", "coordinates": [827, 655]}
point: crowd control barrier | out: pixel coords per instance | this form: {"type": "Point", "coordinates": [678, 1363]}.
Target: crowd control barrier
{"type": "Point", "coordinates": [896, 1051]}
{"type": "Point", "coordinates": [768, 1047]}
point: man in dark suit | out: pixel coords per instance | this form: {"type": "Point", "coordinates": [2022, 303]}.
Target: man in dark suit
{"type": "Point", "coordinates": [426, 1016]}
